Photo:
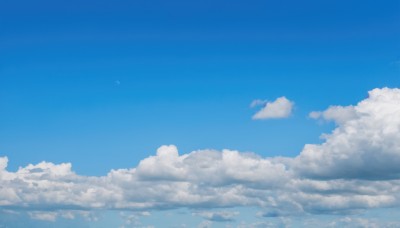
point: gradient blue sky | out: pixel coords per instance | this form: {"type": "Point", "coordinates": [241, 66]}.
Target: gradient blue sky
{"type": "Point", "coordinates": [103, 84]}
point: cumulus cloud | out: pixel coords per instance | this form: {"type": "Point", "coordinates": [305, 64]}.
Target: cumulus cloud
{"type": "Point", "coordinates": [365, 145]}
{"type": "Point", "coordinates": [356, 168]}
{"type": "Point", "coordinates": [280, 108]}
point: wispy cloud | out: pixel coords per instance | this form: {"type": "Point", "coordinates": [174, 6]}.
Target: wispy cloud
{"type": "Point", "coordinates": [217, 216]}
{"type": "Point", "coordinates": [338, 114]}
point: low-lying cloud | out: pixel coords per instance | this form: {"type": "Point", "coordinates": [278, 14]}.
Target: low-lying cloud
{"type": "Point", "coordinates": [356, 168]}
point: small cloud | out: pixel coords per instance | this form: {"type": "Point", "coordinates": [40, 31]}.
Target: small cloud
{"type": "Point", "coordinates": [338, 114]}
{"type": "Point", "coordinates": [133, 218]}
{"type": "Point", "coordinates": [117, 82]}
{"type": "Point", "coordinates": [205, 224]}
{"type": "Point", "coordinates": [44, 216]}
{"type": "Point", "coordinates": [258, 102]}
{"type": "Point", "coordinates": [315, 115]}
{"type": "Point", "coordinates": [280, 108]}
{"type": "Point", "coordinates": [218, 216]}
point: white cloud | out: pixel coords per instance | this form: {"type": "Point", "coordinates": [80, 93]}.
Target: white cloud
{"type": "Point", "coordinates": [365, 145]}
{"type": "Point", "coordinates": [339, 222]}
{"type": "Point", "coordinates": [280, 108]}
{"type": "Point", "coordinates": [218, 216]}
{"type": "Point", "coordinates": [45, 216]}
{"type": "Point", "coordinates": [51, 216]}
{"type": "Point", "coordinates": [339, 114]}
{"type": "Point", "coordinates": [133, 218]}
{"type": "Point", "coordinates": [356, 168]}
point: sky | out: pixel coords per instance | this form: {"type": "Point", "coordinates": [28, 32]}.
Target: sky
{"type": "Point", "coordinates": [199, 113]}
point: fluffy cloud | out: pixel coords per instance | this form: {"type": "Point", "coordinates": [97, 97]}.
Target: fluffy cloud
{"type": "Point", "coordinates": [280, 108]}
{"type": "Point", "coordinates": [365, 145]}
{"type": "Point", "coordinates": [356, 168]}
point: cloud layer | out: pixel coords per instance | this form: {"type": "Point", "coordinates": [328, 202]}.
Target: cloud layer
{"type": "Point", "coordinates": [280, 108]}
{"type": "Point", "coordinates": [356, 168]}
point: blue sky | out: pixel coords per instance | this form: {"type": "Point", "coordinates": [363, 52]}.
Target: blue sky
{"type": "Point", "coordinates": [103, 84]}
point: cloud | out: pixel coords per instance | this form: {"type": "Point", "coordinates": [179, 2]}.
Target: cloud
{"type": "Point", "coordinates": [338, 114]}
{"type": "Point", "coordinates": [45, 216]}
{"type": "Point", "coordinates": [365, 145]}
{"type": "Point", "coordinates": [218, 216]}
{"type": "Point", "coordinates": [133, 218]}
{"type": "Point", "coordinates": [280, 108]}
{"type": "Point", "coordinates": [339, 222]}
{"type": "Point", "coordinates": [258, 102]}
{"type": "Point", "coordinates": [355, 169]}
{"type": "Point", "coordinates": [51, 216]}
{"type": "Point", "coordinates": [205, 224]}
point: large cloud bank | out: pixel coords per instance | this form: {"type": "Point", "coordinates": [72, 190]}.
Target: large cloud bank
{"type": "Point", "coordinates": [356, 168]}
